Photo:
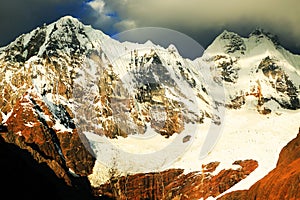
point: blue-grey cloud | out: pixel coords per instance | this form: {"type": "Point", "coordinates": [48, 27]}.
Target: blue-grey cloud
{"type": "Point", "coordinates": [203, 19]}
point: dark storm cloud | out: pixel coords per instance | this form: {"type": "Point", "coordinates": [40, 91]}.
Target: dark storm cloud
{"type": "Point", "coordinates": [21, 16]}
{"type": "Point", "coordinates": [203, 19]}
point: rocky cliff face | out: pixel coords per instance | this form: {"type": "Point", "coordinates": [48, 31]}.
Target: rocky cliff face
{"type": "Point", "coordinates": [281, 183]}
{"type": "Point", "coordinates": [175, 184]}
{"type": "Point", "coordinates": [31, 126]}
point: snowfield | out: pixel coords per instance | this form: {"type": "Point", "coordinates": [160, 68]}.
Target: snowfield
{"type": "Point", "coordinates": [246, 135]}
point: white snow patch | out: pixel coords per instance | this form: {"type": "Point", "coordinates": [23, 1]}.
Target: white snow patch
{"type": "Point", "coordinates": [101, 174]}
{"type": "Point", "coordinates": [29, 124]}
{"type": "Point", "coordinates": [60, 127]}
{"type": "Point", "coordinates": [5, 117]}
{"type": "Point", "coordinates": [73, 173]}
{"type": "Point", "coordinates": [19, 133]}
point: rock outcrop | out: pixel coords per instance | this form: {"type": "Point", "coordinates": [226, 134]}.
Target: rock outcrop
{"type": "Point", "coordinates": [175, 184]}
{"type": "Point", "coordinates": [31, 127]}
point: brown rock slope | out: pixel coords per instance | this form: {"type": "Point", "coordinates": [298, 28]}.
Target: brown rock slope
{"type": "Point", "coordinates": [283, 182]}
{"type": "Point", "coordinates": [31, 143]}
{"type": "Point", "coordinates": [175, 184]}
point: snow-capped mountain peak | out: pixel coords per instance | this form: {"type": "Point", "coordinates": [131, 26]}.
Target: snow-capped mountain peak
{"type": "Point", "coordinates": [66, 36]}
{"type": "Point", "coordinates": [227, 42]}
{"type": "Point", "coordinates": [261, 33]}
{"type": "Point", "coordinates": [257, 42]}
{"type": "Point", "coordinates": [249, 62]}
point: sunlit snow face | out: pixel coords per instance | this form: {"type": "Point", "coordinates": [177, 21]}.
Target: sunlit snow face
{"type": "Point", "coordinates": [141, 105]}
{"type": "Point", "coordinates": [185, 45]}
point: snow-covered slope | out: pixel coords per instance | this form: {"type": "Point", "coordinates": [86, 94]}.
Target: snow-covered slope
{"type": "Point", "coordinates": [112, 89]}
{"type": "Point", "coordinates": [256, 66]}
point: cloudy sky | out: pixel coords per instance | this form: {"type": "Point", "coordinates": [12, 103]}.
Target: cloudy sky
{"type": "Point", "coordinates": [201, 20]}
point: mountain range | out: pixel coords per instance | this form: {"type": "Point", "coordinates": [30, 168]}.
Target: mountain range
{"type": "Point", "coordinates": [84, 116]}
